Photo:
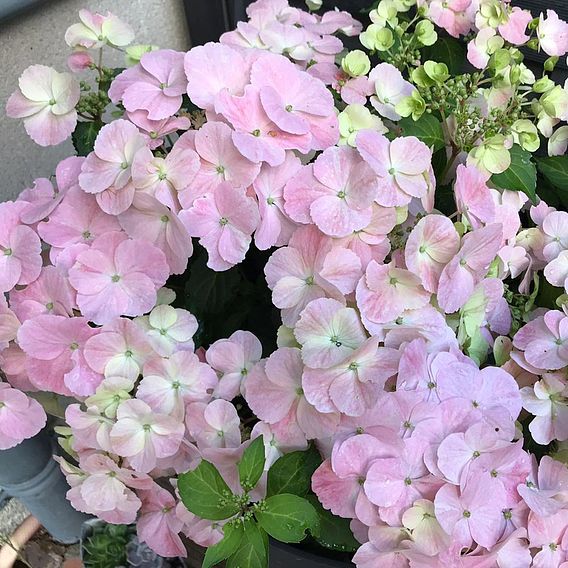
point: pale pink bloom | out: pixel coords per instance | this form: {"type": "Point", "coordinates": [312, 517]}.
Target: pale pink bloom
{"type": "Point", "coordinates": [120, 349]}
{"type": "Point", "coordinates": [80, 61]}
{"type": "Point", "coordinates": [552, 33]}
{"type": "Point", "coordinates": [452, 15]}
{"type": "Point", "coordinates": [401, 165]}
{"type": "Point", "coordinates": [149, 220]}
{"type": "Point", "coordinates": [335, 193]}
{"type": "Point", "coordinates": [233, 358]}
{"type": "Point", "coordinates": [385, 292]}
{"type": "Point", "coordinates": [55, 349]}
{"type": "Point", "coordinates": [9, 324]}
{"type": "Point", "coordinates": [310, 267]}
{"type": "Point", "coordinates": [352, 386]}
{"type": "Point", "coordinates": [46, 101]}
{"type": "Point", "coordinates": [546, 492]}
{"type": "Point", "coordinates": [201, 531]}
{"type": "Point", "coordinates": [274, 392]}
{"type": "Point", "coordinates": [170, 384]}
{"type": "Point", "coordinates": [214, 425]}
{"type": "Point", "coordinates": [428, 537]}
{"type": "Point", "coordinates": [156, 130]}
{"type": "Point", "coordinates": [467, 268]}
{"type": "Point", "coordinates": [328, 332]}
{"type": "Point", "coordinates": [549, 534]}
{"type": "Point", "coordinates": [545, 341]}
{"type": "Point", "coordinates": [51, 293]}
{"type": "Point", "coordinates": [91, 429]}
{"type": "Point", "coordinates": [143, 436]}
{"type": "Point", "coordinates": [77, 219]}
{"type": "Point", "coordinates": [214, 68]}
{"type": "Point", "coordinates": [169, 329]}
{"type": "Point", "coordinates": [278, 441]}
{"type": "Point", "coordinates": [256, 136]}
{"type": "Point", "coordinates": [473, 198]}
{"type": "Point", "coordinates": [387, 546]}
{"type": "Point", "coordinates": [514, 29]}
{"type": "Point", "coordinates": [21, 417]}
{"type": "Point", "coordinates": [155, 85]}
{"type": "Point", "coordinates": [478, 47]}
{"type": "Point", "coordinates": [224, 222]}
{"type": "Point", "coordinates": [165, 178]}
{"type": "Point", "coordinates": [432, 243]}
{"type": "Point", "coordinates": [13, 363]}
{"type": "Point", "coordinates": [556, 271]}
{"type": "Point", "coordinates": [158, 524]}
{"type": "Point", "coordinates": [106, 171]}
{"type": "Point", "coordinates": [295, 101]}
{"type": "Point", "coordinates": [555, 229]}
{"type": "Point", "coordinates": [338, 482]}
{"type": "Point", "coordinates": [220, 161]}
{"type": "Point", "coordinates": [20, 248]}
{"type": "Point", "coordinates": [546, 400]}
{"type": "Point", "coordinates": [515, 260]}
{"type": "Point", "coordinates": [118, 276]}
{"type": "Point", "coordinates": [275, 227]}
{"type": "Point", "coordinates": [390, 89]}
{"type": "Point", "coordinates": [472, 514]}
{"type": "Point", "coordinates": [96, 30]}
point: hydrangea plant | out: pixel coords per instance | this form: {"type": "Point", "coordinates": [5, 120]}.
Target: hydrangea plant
{"type": "Point", "coordinates": [303, 292]}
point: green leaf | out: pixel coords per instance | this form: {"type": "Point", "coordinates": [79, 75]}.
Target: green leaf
{"type": "Point", "coordinates": [334, 532]}
{"type": "Point", "coordinates": [446, 50]}
{"type": "Point", "coordinates": [204, 492]}
{"type": "Point", "coordinates": [84, 137]}
{"type": "Point", "coordinates": [232, 537]}
{"type": "Point", "coordinates": [292, 473]}
{"type": "Point", "coordinates": [521, 174]}
{"type": "Point", "coordinates": [427, 128]}
{"type": "Point", "coordinates": [253, 549]}
{"type": "Point", "coordinates": [251, 465]}
{"type": "Point", "coordinates": [555, 172]}
{"type": "Point", "coordinates": [287, 517]}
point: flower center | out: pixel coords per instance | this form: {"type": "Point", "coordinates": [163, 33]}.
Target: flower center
{"type": "Point", "coordinates": [256, 132]}
{"type": "Point", "coordinates": [147, 427]}
{"type": "Point", "coordinates": [115, 278]}
{"type": "Point", "coordinates": [124, 165]}
{"type": "Point", "coordinates": [164, 218]}
{"type": "Point", "coordinates": [74, 346]}
{"type": "Point", "coordinates": [341, 195]}
{"type": "Point", "coordinates": [353, 366]}
{"type": "Point", "coordinates": [299, 391]}
{"type": "Point", "coordinates": [476, 454]}
{"type": "Point", "coordinates": [422, 249]}
{"type": "Point", "coordinates": [220, 170]}
{"type": "Point", "coordinates": [289, 108]}
{"type": "Point", "coordinates": [128, 353]}
{"type": "Point", "coordinates": [408, 481]}
{"type": "Point", "coordinates": [163, 86]}
{"type": "Point", "coordinates": [270, 200]}
{"type": "Point", "coordinates": [335, 340]}
{"type": "Point", "coordinates": [466, 514]}
{"type": "Point", "coordinates": [153, 135]}
{"type": "Point", "coordinates": [309, 280]}
{"type": "Point", "coordinates": [52, 102]}
{"type": "Point", "coordinates": [86, 235]}
{"type": "Point", "coordinates": [8, 252]}
{"type": "Point", "coordinates": [393, 281]}
{"type": "Point", "coordinates": [392, 171]}
{"type": "Point", "coordinates": [223, 221]}
{"type": "Point", "coordinates": [49, 306]}
{"type": "Point", "coordinates": [162, 176]}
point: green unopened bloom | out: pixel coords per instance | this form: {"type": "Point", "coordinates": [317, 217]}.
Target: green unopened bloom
{"type": "Point", "coordinates": [555, 103]}
{"type": "Point", "coordinates": [525, 134]}
{"type": "Point", "coordinates": [425, 33]}
{"type": "Point", "coordinates": [421, 78]}
{"type": "Point", "coordinates": [354, 118]}
{"type": "Point", "coordinates": [501, 350]}
{"type": "Point", "coordinates": [385, 13]}
{"type": "Point", "coordinates": [135, 52]}
{"type": "Point", "coordinates": [438, 72]}
{"type": "Point", "coordinates": [543, 85]}
{"type": "Point", "coordinates": [314, 5]}
{"type": "Point", "coordinates": [550, 63]}
{"type": "Point", "coordinates": [377, 38]}
{"type": "Point", "coordinates": [356, 63]}
{"type": "Point", "coordinates": [491, 155]}
{"type": "Point", "coordinates": [491, 13]}
{"type": "Point", "coordinates": [500, 59]}
{"type": "Point", "coordinates": [413, 105]}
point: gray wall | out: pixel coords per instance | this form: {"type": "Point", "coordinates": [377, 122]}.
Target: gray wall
{"type": "Point", "coordinates": [38, 37]}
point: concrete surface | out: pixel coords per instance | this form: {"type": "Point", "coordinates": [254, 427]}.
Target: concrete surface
{"type": "Point", "coordinates": [38, 37]}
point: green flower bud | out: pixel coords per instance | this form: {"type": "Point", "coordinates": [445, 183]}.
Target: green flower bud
{"type": "Point", "coordinates": [543, 85]}
{"type": "Point", "coordinates": [460, 228]}
{"type": "Point", "coordinates": [401, 214]}
{"type": "Point", "coordinates": [413, 105]}
{"type": "Point", "coordinates": [550, 63]}
{"type": "Point", "coordinates": [501, 350]}
{"type": "Point", "coordinates": [356, 63]}
{"type": "Point", "coordinates": [354, 118]}
{"type": "Point", "coordinates": [491, 155]}
{"type": "Point", "coordinates": [425, 33]}
{"type": "Point", "coordinates": [533, 44]}
{"type": "Point", "coordinates": [377, 38]}
{"type": "Point", "coordinates": [533, 24]}
{"type": "Point", "coordinates": [500, 59]}
{"type": "Point", "coordinates": [135, 52]}
{"type": "Point", "coordinates": [492, 13]}
{"type": "Point", "coordinates": [515, 74]}
{"type": "Point", "coordinates": [438, 72]}
{"type": "Point", "coordinates": [555, 102]}
{"type": "Point", "coordinates": [314, 5]}
{"type": "Point", "coordinates": [525, 134]}
{"type": "Point", "coordinates": [421, 78]}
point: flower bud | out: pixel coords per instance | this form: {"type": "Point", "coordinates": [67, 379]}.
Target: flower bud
{"type": "Point", "coordinates": [500, 59]}
{"type": "Point", "coordinates": [377, 38]}
{"type": "Point", "coordinates": [543, 85]}
{"type": "Point", "coordinates": [421, 78]}
{"type": "Point", "coordinates": [314, 5]}
{"type": "Point", "coordinates": [356, 63]}
{"type": "Point", "coordinates": [413, 105]}
{"type": "Point", "coordinates": [502, 349]}
{"type": "Point", "coordinates": [438, 72]}
{"type": "Point", "coordinates": [533, 44]}
{"type": "Point", "coordinates": [550, 63]}
{"type": "Point", "coordinates": [525, 134]}
{"type": "Point", "coordinates": [425, 33]}
{"type": "Point", "coordinates": [555, 103]}
{"type": "Point", "coordinates": [491, 155]}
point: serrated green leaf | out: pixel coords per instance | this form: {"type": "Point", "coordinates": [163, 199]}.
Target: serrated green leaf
{"type": "Point", "coordinates": [252, 463]}
{"type": "Point", "coordinates": [446, 50]}
{"type": "Point", "coordinates": [253, 550]}
{"type": "Point", "coordinates": [84, 137]}
{"type": "Point", "coordinates": [555, 172]}
{"type": "Point", "coordinates": [292, 473]}
{"type": "Point", "coordinates": [232, 537]}
{"type": "Point", "coordinates": [520, 175]}
{"type": "Point", "coordinates": [204, 492]}
{"type": "Point", "coordinates": [287, 517]}
{"type": "Point", "coordinates": [334, 532]}
{"type": "Point", "coordinates": [427, 128]}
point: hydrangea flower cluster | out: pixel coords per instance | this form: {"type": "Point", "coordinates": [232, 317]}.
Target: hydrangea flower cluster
{"type": "Point", "coordinates": [416, 393]}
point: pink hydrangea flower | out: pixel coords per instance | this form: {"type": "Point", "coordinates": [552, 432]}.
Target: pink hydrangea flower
{"type": "Point", "coordinates": [54, 346]}
{"type": "Point", "coordinates": [91, 429]}
{"type": "Point", "coordinates": [118, 276]}
{"type": "Point", "coordinates": [555, 229]}
{"type": "Point", "coordinates": [274, 392]}
{"type": "Point", "coordinates": [214, 425]}
{"type": "Point", "coordinates": [106, 171]}
{"type": "Point", "coordinates": [549, 534]}
{"type": "Point", "coordinates": [80, 61]}
{"type": "Point", "coordinates": [9, 324]}
{"type": "Point", "coordinates": [165, 178]}
{"type": "Point", "coordinates": [46, 101]}
{"type": "Point", "coordinates": [428, 537]}
{"type": "Point", "coordinates": [385, 292]}
{"type": "Point", "coordinates": [452, 15]}
{"type": "Point", "coordinates": [469, 266]}
{"type": "Point", "coordinates": [170, 384]}
{"type": "Point", "coordinates": [21, 417]}
{"type": "Point", "coordinates": [473, 197]}
{"type": "Point", "coordinates": [402, 166]}
{"type": "Point", "coordinates": [387, 546]}
{"type": "Point", "coordinates": [390, 89]}
{"type": "Point", "coordinates": [328, 332]}
{"type": "Point", "coordinates": [233, 358]}
{"type": "Point", "coordinates": [149, 220]}
{"type": "Point", "coordinates": [224, 222]}
{"type": "Point", "coordinates": [143, 436]}
{"type": "Point", "coordinates": [514, 29]}
{"type": "Point", "coordinates": [552, 33]}
{"type": "Point", "coordinates": [336, 193]}
{"type": "Point", "coordinates": [155, 85]}
{"type": "Point", "coordinates": [158, 524]}
{"type": "Point", "coordinates": [310, 267]}
{"type": "Point", "coordinates": [556, 271]}
{"type": "Point", "coordinates": [20, 248]}
{"type": "Point", "coordinates": [95, 31]}
{"type": "Point", "coordinates": [156, 130]}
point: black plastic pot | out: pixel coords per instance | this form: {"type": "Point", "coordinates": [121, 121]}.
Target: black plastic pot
{"type": "Point", "coordinates": [286, 556]}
